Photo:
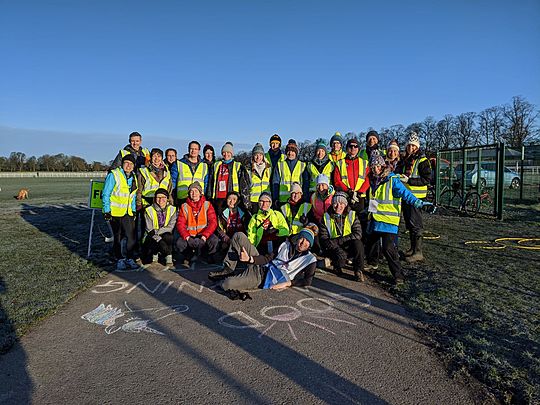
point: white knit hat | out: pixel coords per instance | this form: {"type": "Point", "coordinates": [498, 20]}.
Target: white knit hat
{"type": "Point", "coordinates": [414, 140]}
{"type": "Point", "coordinates": [296, 188]}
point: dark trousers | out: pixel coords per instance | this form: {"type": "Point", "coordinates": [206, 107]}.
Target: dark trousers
{"type": "Point", "coordinates": [164, 246]}
{"type": "Point", "coordinates": [353, 249]}
{"type": "Point", "coordinates": [194, 245]}
{"type": "Point", "coordinates": [413, 219]}
{"type": "Point", "coordinates": [389, 251]}
{"type": "Point", "coordinates": [124, 227]}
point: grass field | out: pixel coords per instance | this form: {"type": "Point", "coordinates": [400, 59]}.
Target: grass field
{"type": "Point", "coordinates": [480, 307]}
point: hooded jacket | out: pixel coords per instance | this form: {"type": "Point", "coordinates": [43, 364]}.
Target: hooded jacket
{"type": "Point", "coordinates": [196, 207]}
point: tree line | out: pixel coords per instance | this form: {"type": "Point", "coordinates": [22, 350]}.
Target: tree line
{"type": "Point", "coordinates": [514, 123]}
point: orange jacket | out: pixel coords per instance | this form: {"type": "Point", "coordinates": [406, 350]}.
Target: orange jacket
{"type": "Point", "coordinates": [196, 219]}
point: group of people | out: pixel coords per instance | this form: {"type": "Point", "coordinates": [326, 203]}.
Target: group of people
{"type": "Point", "coordinates": [267, 221]}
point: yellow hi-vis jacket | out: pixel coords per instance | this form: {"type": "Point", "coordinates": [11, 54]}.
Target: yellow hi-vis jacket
{"type": "Point", "coordinates": [259, 184]}
{"type": "Point", "coordinates": [121, 195]}
{"type": "Point", "coordinates": [151, 184]}
{"type": "Point", "coordinates": [294, 223]}
{"type": "Point", "coordinates": [145, 152]}
{"type": "Point", "coordinates": [186, 178]}
{"type": "Point", "coordinates": [336, 158]}
{"type": "Point", "coordinates": [255, 229]}
{"type": "Point", "coordinates": [314, 172]}
{"type": "Point", "coordinates": [330, 224]}
{"type": "Point", "coordinates": [418, 191]}
{"type": "Point", "coordinates": [152, 213]}
{"type": "Point", "coordinates": [388, 207]}
{"type": "Point", "coordinates": [287, 178]}
{"type": "Point", "coordinates": [232, 177]}
{"type": "Point", "coordinates": [362, 167]}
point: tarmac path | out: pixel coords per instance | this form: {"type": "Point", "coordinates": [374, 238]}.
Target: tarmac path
{"type": "Point", "coordinates": [160, 337]}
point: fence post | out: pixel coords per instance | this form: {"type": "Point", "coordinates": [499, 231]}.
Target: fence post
{"type": "Point", "coordinates": [463, 169]}
{"type": "Point", "coordinates": [499, 181]}
{"type": "Point", "coordinates": [479, 170]}
{"type": "Point", "coordinates": [521, 175]}
{"type": "Point", "coordinates": [437, 177]}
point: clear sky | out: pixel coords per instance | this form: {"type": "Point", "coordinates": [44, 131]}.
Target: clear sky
{"type": "Point", "coordinates": [80, 75]}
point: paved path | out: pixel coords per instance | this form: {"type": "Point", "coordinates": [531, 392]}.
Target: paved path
{"type": "Point", "coordinates": [158, 337]}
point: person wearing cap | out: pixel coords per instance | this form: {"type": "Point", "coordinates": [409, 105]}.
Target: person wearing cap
{"type": "Point", "coordinates": [188, 170]}
{"type": "Point", "coordinates": [415, 174]}
{"type": "Point", "coordinates": [171, 156]}
{"type": "Point", "coordinates": [386, 195]}
{"type": "Point", "coordinates": [268, 227]}
{"type": "Point", "coordinates": [229, 175]}
{"type": "Point", "coordinates": [293, 266]}
{"type": "Point", "coordinates": [295, 211]}
{"type": "Point", "coordinates": [160, 218]}
{"type": "Point", "coordinates": [119, 207]}
{"type": "Point", "coordinates": [274, 154]}
{"type": "Point", "coordinates": [372, 143]}
{"type": "Point", "coordinates": [286, 173]}
{"type": "Point", "coordinates": [336, 148]}
{"type": "Point", "coordinates": [341, 236]}
{"type": "Point", "coordinates": [151, 177]}
{"type": "Point", "coordinates": [321, 199]}
{"type": "Point", "coordinates": [320, 164]}
{"type": "Point", "coordinates": [142, 155]}
{"type": "Point", "coordinates": [230, 221]}
{"type": "Point", "coordinates": [196, 225]}
{"type": "Point", "coordinates": [350, 176]}
{"type": "Point", "coordinates": [392, 154]}
{"type": "Point", "coordinates": [260, 172]}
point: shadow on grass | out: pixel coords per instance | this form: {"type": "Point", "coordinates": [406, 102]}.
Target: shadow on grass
{"type": "Point", "coordinates": [69, 225]}
{"type": "Point", "coordinates": [16, 386]}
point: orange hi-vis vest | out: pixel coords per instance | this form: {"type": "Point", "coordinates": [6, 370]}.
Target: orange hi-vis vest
{"type": "Point", "coordinates": [196, 222]}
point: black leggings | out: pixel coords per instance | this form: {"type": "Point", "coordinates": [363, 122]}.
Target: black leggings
{"type": "Point", "coordinates": [124, 227]}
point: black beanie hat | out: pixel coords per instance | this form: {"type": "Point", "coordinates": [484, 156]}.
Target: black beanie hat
{"type": "Point", "coordinates": [372, 133]}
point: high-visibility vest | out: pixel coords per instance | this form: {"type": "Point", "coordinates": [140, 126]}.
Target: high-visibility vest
{"type": "Point", "coordinates": [145, 152]}
{"type": "Point", "coordinates": [362, 166]}
{"type": "Point", "coordinates": [259, 184]}
{"type": "Point", "coordinates": [314, 172]}
{"type": "Point", "coordinates": [186, 177]}
{"type": "Point", "coordinates": [418, 191]}
{"type": "Point", "coordinates": [232, 176]}
{"type": "Point", "coordinates": [255, 230]}
{"type": "Point", "coordinates": [269, 161]}
{"type": "Point", "coordinates": [171, 209]}
{"type": "Point", "coordinates": [196, 223]}
{"type": "Point", "coordinates": [288, 178]}
{"type": "Point", "coordinates": [294, 223]}
{"type": "Point", "coordinates": [388, 206]}
{"type": "Point", "coordinates": [122, 196]}
{"type": "Point", "coordinates": [151, 184]}
{"type": "Point", "coordinates": [330, 224]}
{"type": "Point", "coordinates": [336, 158]}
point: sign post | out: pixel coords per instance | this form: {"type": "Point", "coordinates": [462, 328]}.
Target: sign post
{"type": "Point", "coordinates": [94, 202]}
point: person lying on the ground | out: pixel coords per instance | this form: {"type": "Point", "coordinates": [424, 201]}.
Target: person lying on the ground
{"type": "Point", "coordinates": [268, 228]}
{"type": "Point", "coordinates": [196, 224]}
{"type": "Point", "coordinates": [230, 221]}
{"type": "Point", "coordinates": [294, 265]}
{"type": "Point", "coordinates": [160, 219]}
{"type": "Point", "coordinates": [340, 236]}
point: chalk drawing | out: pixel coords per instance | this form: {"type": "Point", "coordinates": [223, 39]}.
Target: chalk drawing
{"type": "Point", "coordinates": [108, 315]}
{"type": "Point", "coordinates": [116, 286]}
{"type": "Point", "coordinates": [310, 311]}
{"type": "Point", "coordinates": [161, 287]}
{"type": "Point", "coordinates": [502, 243]}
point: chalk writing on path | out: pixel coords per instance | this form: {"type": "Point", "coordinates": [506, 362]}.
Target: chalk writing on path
{"type": "Point", "coordinates": [135, 321]}
{"type": "Point", "coordinates": [162, 287]}
{"type": "Point", "coordinates": [316, 312]}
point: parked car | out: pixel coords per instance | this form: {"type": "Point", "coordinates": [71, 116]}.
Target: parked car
{"type": "Point", "coordinates": [487, 175]}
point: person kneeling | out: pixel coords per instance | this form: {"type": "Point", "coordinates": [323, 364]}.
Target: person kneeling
{"type": "Point", "coordinates": [340, 236]}
{"type": "Point", "coordinates": [294, 265]}
{"type": "Point", "coordinates": [196, 225]}
{"type": "Point", "coordinates": [160, 218]}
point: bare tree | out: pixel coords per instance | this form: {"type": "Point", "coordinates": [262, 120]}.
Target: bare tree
{"type": "Point", "coordinates": [446, 131]}
{"type": "Point", "coordinates": [429, 134]}
{"type": "Point", "coordinates": [467, 135]}
{"type": "Point", "coordinates": [521, 121]}
{"type": "Point", "coordinates": [398, 132]}
{"type": "Point", "coordinates": [31, 164]}
{"type": "Point", "coordinates": [16, 161]}
{"type": "Point", "coordinates": [491, 125]}
{"type": "Point", "coordinates": [384, 137]}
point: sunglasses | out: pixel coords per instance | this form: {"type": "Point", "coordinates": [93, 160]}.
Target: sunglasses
{"type": "Point", "coordinates": [353, 146]}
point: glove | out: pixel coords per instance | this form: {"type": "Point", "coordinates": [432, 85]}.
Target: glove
{"type": "Point", "coordinates": [350, 194]}
{"type": "Point", "coordinates": [354, 198]}
{"type": "Point", "coordinates": [403, 178]}
{"type": "Point", "coordinates": [226, 239]}
{"type": "Point", "coordinates": [107, 216]}
{"type": "Point", "coordinates": [418, 204]}
{"type": "Point", "coordinates": [271, 229]}
{"type": "Point", "coordinates": [304, 220]}
{"type": "Point", "coordinates": [429, 207]}
{"type": "Point", "coordinates": [156, 237]}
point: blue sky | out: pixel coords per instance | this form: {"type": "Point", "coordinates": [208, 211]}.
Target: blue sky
{"type": "Point", "coordinates": [81, 75]}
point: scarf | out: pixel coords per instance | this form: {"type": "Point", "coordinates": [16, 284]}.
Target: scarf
{"type": "Point", "coordinates": [259, 167]}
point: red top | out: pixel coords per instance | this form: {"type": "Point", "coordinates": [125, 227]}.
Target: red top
{"type": "Point", "coordinates": [222, 181]}
{"type": "Point", "coordinates": [196, 207]}
{"type": "Point", "coordinates": [352, 174]}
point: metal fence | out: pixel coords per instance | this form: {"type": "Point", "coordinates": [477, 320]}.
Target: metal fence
{"type": "Point", "coordinates": [486, 178]}
{"type": "Point", "coordinates": [52, 174]}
